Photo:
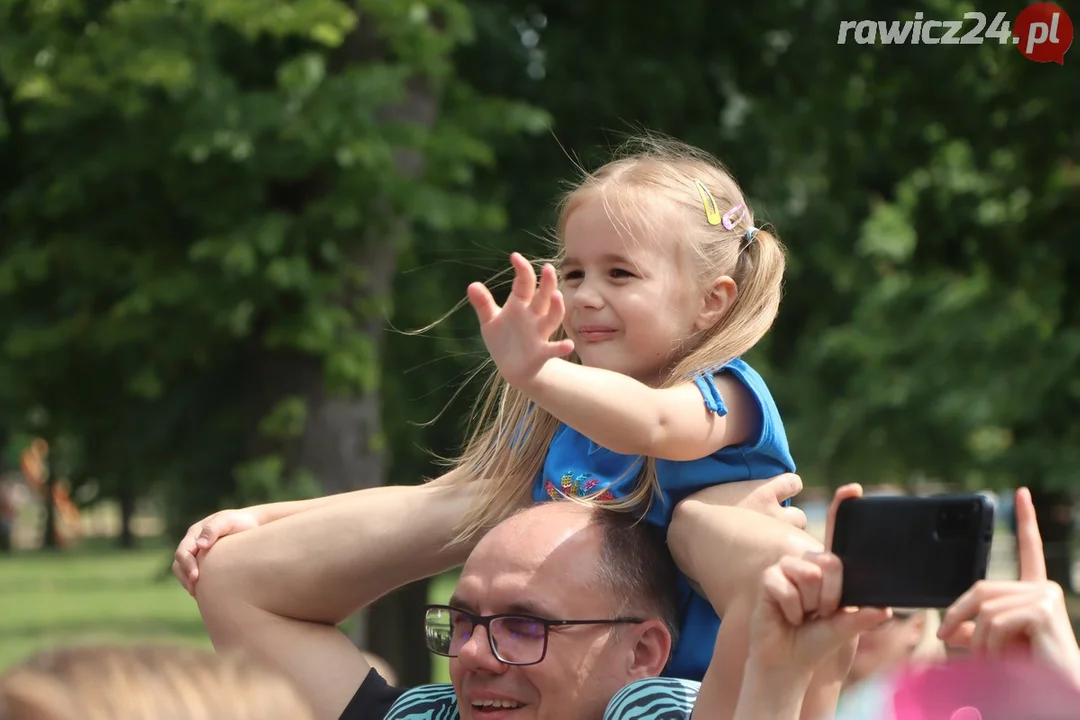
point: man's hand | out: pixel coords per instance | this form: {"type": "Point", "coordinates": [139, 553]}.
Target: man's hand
{"type": "Point", "coordinates": [201, 537]}
{"type": "Point", "coordinates": [762, 496]}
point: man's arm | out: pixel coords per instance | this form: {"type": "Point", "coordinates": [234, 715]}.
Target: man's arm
{"type": "Point", "coordinates": [279, 590]}
{"type": "Point", "coordinates": [270, 512]}
{"type": "Point", "coordinates": [202, 535]}
{"type": "Point", "coordinates": [725, 550]}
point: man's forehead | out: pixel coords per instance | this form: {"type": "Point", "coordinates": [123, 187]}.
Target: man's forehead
{"type": "Point", "coordinates": [543, 526]}
{"type": "Point", "coordinates": [530, 565]}
{"type": "Point", "coordinates": [507, 593]}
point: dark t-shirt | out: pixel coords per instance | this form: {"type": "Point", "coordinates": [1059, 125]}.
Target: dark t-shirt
{"type": "Point", "coordinates": [373, 699]}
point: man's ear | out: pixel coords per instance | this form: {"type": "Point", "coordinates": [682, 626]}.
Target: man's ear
{"type": "Point", "coordinates": [651, 649]}
{"type": "Point", "coordinates": [719, 297]}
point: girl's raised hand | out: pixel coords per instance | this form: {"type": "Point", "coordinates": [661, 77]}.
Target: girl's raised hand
{"type": "Point", "coordinates": [518, 334]}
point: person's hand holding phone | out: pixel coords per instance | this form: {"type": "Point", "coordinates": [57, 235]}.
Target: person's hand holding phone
{"type": "Point", "coordinates": [798, 630]}
{"type": "Point", "coordinates": [996, 618]}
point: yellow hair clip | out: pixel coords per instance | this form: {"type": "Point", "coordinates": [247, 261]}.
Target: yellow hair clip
{"type": "Point", "coordinates": [712, 212]}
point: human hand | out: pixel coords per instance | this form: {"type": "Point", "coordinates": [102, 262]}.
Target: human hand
{"type": "Point", "coordinates": [201, 536]}
{"type": "Point", "coordinates": [801, 642]}
{"type": "Point", "coordinates": [798, 620]}
{"type": "Point", "coordinates": [762, 496]}
{"type": "Point", "coordinates": [836, 665]}
{"type": "Point", "coordinates": [997, 618]}
{"type": "Point", "coordinates": [798, 623]}
{"type": "Point", "coordinates": [518, 334]}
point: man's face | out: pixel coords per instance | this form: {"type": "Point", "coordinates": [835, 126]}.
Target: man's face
{"type": "Point", "coordinates": [543, 563]}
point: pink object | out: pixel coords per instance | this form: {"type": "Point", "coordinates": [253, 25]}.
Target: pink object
{"type": "Point", "coordinates": [729, 218]}
{"type": "Point", "coordinates": [973, 689]}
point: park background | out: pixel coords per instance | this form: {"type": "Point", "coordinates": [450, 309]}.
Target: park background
{"type": "Point", "coordinates": [218, 218]}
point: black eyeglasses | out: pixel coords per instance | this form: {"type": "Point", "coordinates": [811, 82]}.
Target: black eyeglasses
{"type": "Point", "coordinates": [514, 639]}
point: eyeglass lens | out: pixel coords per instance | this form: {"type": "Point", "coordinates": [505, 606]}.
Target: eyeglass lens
{"type": "Point", "coordinates": [514, 639]}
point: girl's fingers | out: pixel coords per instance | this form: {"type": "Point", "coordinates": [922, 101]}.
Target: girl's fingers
{"type": "Point", "coordinates": [483, 303]}
{"type": "Point", "coordinates": [549, 285]}
{"type": "Point", "coordinates": [524, 286]}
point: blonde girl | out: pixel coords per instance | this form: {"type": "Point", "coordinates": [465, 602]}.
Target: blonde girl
{"type": "Point", "coordinates": [619, 376]}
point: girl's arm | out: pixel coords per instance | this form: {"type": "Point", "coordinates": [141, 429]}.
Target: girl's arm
{"type": "Point", "coordinates": [611, 409]}
{"type": "Point", "coordinates": [625, 416]}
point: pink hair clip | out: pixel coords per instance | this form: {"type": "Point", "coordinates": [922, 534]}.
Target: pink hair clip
{"type": "Point", "coordinates": [730, 222]}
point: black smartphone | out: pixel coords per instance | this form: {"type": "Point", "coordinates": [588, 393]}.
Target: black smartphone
{"type": "Point", "coordinates": [912, 552]}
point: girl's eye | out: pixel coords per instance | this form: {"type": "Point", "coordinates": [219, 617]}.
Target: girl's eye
{"type": "Point", "coordinates": [621, 274]}
{"type": "Point", "coordinates": [573, 275]}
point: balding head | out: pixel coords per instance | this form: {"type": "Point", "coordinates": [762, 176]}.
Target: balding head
{"type": "Point", "coordinates": [533, 558]}
{"type": "Point", "coordinates": [568, 561]}
{"type": "Point", "coordinates": [626, 558]}
{"type": "Point", "coordinates": [544, 527]}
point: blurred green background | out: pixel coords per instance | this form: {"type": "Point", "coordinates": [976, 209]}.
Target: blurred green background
{"type": "Point", "coordinates": [216, 217]}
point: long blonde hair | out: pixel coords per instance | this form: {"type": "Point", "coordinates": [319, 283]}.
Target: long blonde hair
{"type": "Point", "coordinates": [147, 683]}
{"type": "Point", "coordinates": [649, 187]}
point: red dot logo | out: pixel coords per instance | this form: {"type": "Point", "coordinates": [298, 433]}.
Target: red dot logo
{"type": "Point", "coordinates": [1043, 33]}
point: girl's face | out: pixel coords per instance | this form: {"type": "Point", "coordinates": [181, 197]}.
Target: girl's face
{"type": "Point", "coordinates": [630, 306]}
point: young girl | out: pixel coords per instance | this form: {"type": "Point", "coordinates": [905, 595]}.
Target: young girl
{"type": "Point", "coordinates": [619, 378]}
{"type": "Point", "coordinates": [665, 283]}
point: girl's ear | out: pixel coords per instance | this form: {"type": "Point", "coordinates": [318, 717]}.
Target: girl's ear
{"type": "Point", "coordinates": [719, 297]}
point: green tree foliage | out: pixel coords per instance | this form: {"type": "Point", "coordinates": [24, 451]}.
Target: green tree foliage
{"type": "Point", "coordinates": [925, 194]}
{"type": "Point", "coordinates": [204, 203]}
{"type": "Point", "coordinates": [238, 166]}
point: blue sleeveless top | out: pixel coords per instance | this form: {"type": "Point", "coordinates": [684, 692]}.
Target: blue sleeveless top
{"type": "Point", "coordinates": [577, 466]}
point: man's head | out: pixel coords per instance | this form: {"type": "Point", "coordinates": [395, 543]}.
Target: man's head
{"type": "Point", "coordinates": [564, 561]}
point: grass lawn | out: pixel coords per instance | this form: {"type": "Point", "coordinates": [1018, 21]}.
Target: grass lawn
{"type": "Point", "coordinates": [102, 595]}
{"type": "Point", "coordinates": [91, 596]}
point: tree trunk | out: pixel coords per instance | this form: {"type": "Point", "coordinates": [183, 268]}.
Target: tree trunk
{"type": "Point", "coordinates": [340, 444]}
{"type": "Point", "coordinates": [396, 633]}
{"type": "Point", "coordinates": [127, 513]}
{"type": "Point", "coordinates": [1053, 508]}
{"type": "Point", "coordinates": [341, 440]}
{"type": "Point", "coordinates": [50, 539]}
